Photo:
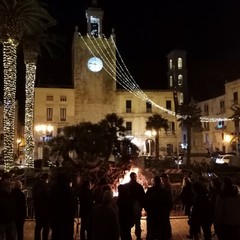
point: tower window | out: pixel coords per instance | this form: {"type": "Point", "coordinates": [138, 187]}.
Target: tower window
{"type": "Point", "coordinates": [170, 64]}
{"type": "Point", "coordinates": [179, 63]}
{"type": "Point", "coordinates": [169, 105]}
{"type": "Point", "coordinates": [171, 81]}
{"type": "Point", "coordinates": [148, 107]}
{"type": "Point", "coordinates": [181, 98]}
{"type": "Point", "coordinates": [180, 80]}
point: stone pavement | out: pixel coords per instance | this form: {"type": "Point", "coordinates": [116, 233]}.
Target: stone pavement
{"type": "Point", "coordinates": [178, 223]}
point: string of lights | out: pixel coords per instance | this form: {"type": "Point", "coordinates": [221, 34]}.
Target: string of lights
{"type": "Point", "coordinates": [29, 113]}
{"type": "Point", "coordinates": [9, 70]}
{"type": "Point", "coordinates": [120, 73]}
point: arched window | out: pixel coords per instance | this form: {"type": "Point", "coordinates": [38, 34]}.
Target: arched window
{"type": "Point", "coordinates": [181, 98]}
{"type": "Point", "coordinates": [179, 63]}
{"type": "Point", "coordinates": [180, 80]}
{"type": "Point", "coordinates": [170, 64]}
{"type": "Point", "coordinates": [170, 81]}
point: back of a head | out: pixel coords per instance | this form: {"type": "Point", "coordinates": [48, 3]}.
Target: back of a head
{"type": "Point", "coordinates": [157, 181]}
{"type": "Point", "coordinates": [18, 184]}
{"type": "Point", "coordinates": [107, 197]}
{"type": "Point", "coordinates": [133, 176]}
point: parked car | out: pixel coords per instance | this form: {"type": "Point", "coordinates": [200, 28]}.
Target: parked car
{"type": "Point", "coordinates": [225, 158]}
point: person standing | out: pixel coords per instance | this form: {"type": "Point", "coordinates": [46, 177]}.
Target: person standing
{"type": "Point", "coordinates": [41, 194]}
{"type": "Point", "coordinates": [137, 194]}
{"type": "Point", "coordinates": [20, 208]}
{"type": "Point", "coordinates": [126, 216]}
{"type": "Point", "coordinates": [103, 221]}
{"type": "Point", "coordinates": [63, 206]}
{"type": "Point", "coordinates": [158, 205]}
{"type": "Point", "coordinates": [7, 225]}
{"type": "Point", "coordinates": [227, 212]}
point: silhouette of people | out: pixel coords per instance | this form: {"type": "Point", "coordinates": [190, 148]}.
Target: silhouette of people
{"type": "Point", "coordinates": [99, 190]}
{"type": "Point", "coordinates": [86, 204]}
{"type": "Point", "coordinates": [138, 196]}
{"type": "Point", "coordinates": [126, 214]}
{"type": "Point", "coordinates": [158, 205]}
{"type": "Point", "coordinates": [103, 222]}
{"type": "Point", "coordinates": [7, 225]}
{"type": "Point", "coordinates": [20, 208]}
{"type": "Point", "coordinates": [63, 206]}
{"type": "Point", "coordinates": [187, 196]}
{"type": "Point", "coordinates": [202, 212]}
{"type": "Point", "coordinates": [227, 212]}
{"type": "Point", "coordinates": [41, 194]}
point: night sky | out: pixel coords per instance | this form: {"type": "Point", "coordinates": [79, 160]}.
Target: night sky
{"type": "Point", "coordinates": [146, 31]}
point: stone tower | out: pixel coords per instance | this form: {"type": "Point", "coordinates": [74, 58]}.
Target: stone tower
{"type": "Point", "coordinates": [93, 70]}
{"type": "Point", "coordinates": [177, 76]}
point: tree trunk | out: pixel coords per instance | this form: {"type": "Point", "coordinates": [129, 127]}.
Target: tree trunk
{"type": "Point", "coordinates": [189, 145]}
{"type": "Point", "coordinates": [157, 145]}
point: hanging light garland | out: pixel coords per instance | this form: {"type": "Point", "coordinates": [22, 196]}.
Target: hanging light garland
{"type": "Point", "coordinates": [120, 73]}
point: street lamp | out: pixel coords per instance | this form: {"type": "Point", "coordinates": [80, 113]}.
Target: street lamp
{"type": "Point", "coordinates": [45, 132]}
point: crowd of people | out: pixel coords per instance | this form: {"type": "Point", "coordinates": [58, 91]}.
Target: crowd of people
{"type": "Point", "coordinates": [59, 201]}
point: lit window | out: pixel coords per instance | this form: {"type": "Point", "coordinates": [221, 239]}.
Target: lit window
{"type": "Point", "coordinates": [170, 64]}
{"type": "Point", "coordinates": [170, 81]}
{"type": "Point", "coordinates": [180, 80]}
{"type": "Point", "coordinates": [49, 114]}
{"type": "Point", "coordinates": [49, 98]}
{"type": "Point", "coordinates": [179, 63]}
{"type": "Point", "coordinates": [181, 98]}
{"type": "Point", "coordinates": [63, 98]}
{"type": "Point", "coordinates": [63, 114]}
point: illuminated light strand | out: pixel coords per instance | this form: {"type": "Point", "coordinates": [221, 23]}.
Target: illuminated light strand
{"type": "Point", "coordinates": [10, 76]}
{"type": "Point", "coordinates": [29, 113]}
{"type": "Point", "coordinates": [140, 94]}
{"type": "Point", "coordinates": [125, 75]}
{"type": "Point", "coordinates": [113, 76]}
{"type": "Point", "coordinates": [129, 74]}
{"type": "Point", "coordinates": [108, 63]}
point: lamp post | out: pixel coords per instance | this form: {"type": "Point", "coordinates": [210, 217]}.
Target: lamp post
{"type": "Point", "coordinates": [44, 132]}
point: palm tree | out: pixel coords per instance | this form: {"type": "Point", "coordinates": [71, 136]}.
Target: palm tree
{"type": "Point", "coordinates": [16, 18]}
{"type": "Point", "coordinates": [190, 117]}
{"type": "Point", "coordinates": [113, 128]}
{"type": "Point", "coordinates": [157, 122]}
{"type": "Point", "coordinates": [236, 118]}
{"type": "Point", "coordinates": [32, 45]}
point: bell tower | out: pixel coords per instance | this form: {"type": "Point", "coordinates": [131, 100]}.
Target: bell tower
{"type": "Point", "coordinates": [177, 77]}
{"type": "Point", "coordinates": [93, 69]}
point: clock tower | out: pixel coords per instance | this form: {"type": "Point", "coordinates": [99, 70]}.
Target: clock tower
{"type": "Point", "coordinates": [93, 70]}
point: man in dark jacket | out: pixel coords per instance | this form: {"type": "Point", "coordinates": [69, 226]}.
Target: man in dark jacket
{"type": "Point", "coordinates": [41, 194]}
{"type": "Point", "coordinates": [7, 226]}
{"type": "Point", "coordinates": [158, 205]}
{"type": "Point", "coordinates": [137, 194]}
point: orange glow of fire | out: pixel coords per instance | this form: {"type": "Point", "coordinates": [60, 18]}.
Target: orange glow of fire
{"type": "Point", "coordinates": [140, 178]}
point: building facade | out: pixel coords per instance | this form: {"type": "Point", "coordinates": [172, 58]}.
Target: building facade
{"type": "Point", "coordinates": [221, 132]}
{"type": "Point", "coordinates": [96, 72]}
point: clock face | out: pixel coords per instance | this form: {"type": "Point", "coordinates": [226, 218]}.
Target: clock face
{"type": "Point", "coordinates": [95, 64]}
